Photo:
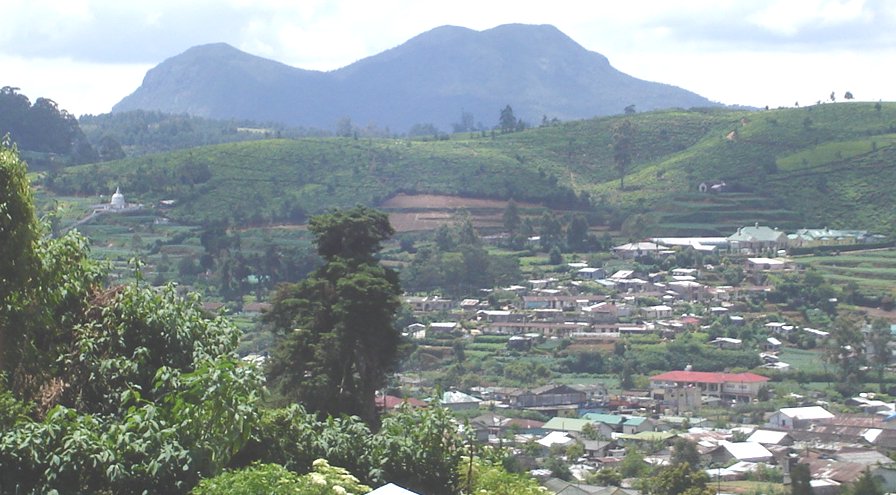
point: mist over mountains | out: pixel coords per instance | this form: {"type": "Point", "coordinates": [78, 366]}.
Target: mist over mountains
{"type": "Point", "coordinates": [433, 78]}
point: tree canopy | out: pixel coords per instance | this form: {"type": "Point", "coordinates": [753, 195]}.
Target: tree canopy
{"type": "Point", "coordinates": [42, 126]}
{"type": "Point", "coordinates": [335, 339]}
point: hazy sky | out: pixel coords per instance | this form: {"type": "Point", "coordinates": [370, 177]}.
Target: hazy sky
{"type": "Point", "coordinates": [88, 54]}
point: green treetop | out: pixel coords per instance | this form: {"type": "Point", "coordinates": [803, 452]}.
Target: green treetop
{"type": "Point", "coordinates": [335, 339]}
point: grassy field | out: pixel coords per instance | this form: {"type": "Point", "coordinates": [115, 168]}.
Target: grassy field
{"type": "Point", "coordinates": [809, 361]}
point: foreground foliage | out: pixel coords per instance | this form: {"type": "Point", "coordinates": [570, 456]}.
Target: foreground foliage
{"type": "Point", "coordinates": [125, 390]}
{"type": "Point", "coordinates": [417, 449]}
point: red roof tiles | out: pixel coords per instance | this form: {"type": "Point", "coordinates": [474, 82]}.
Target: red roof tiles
{"type": "Point", "coordinates": [708, 377]}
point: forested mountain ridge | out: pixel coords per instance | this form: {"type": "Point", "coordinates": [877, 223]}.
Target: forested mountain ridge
{"type": "Point", "coordinates": [821, 165]}
{"type": "Point", "coordinates": [433, 78]}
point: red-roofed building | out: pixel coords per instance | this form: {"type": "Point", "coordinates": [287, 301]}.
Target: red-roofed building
{"type": "Point", "coordinates": [726, 386]}
{"type": "Point", "coordinates": [391, 403]}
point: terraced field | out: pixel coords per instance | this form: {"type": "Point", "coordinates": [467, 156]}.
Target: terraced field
{"type": "Point", "coordinates": [722, 214]}
{"type": "Point", "coordinates": [873, 271]}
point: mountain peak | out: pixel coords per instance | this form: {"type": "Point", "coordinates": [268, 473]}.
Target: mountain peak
{"type": "Point", "coordinates": [431, 78]}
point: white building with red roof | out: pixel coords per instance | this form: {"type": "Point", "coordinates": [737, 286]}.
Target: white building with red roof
{"type": "Point", "coordinates": [726, 386]}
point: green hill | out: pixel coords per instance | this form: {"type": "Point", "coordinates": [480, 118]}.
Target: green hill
{"type": "Point", "coordinates": [825, 165]}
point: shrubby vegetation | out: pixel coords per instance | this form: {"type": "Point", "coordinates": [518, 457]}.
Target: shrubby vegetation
{"type": "Point", "coordinates": [457, 264]}
{"type": "Point", "coordinates": [141, 132]}
{"type": "Point", "coordinates": [681, 352]}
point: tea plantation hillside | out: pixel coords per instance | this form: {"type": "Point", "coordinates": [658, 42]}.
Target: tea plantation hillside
{"type": "Point", "coordinates": [825, 165]}
{"type": "Point", "coordinates": [829, 164]}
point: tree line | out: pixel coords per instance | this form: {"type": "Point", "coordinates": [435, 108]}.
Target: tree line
{"type": "Point", "coordinates": [43, 127]}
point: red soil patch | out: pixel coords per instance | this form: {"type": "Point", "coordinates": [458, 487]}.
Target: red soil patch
{"type": "Point", "coordinates": [437, 210]}
{"type": "Point", "coordinates": [409, 222]}
{"type": "Point", "coordinates": [590, 346]}
{"type": "Point", "coordinates": [434, 201]}
{"type": "Point", "coordinates": [431, 220]}
{"type": "Point", "coordinates": [880, 313]}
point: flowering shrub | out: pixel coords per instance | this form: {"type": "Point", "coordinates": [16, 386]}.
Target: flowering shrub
{"type": "Point", "coordinates": [326, 479]}
{"type": "Point", "coordinates": [274, 479]}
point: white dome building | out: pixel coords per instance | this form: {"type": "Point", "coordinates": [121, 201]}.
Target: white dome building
{"type": "Point", "coordinates": [117, 202]}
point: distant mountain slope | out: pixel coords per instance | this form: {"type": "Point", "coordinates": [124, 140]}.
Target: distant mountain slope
{"type": "Point", "coordinates": [219, 81]}
{"type": "Point", "coordinates": [431, 78]}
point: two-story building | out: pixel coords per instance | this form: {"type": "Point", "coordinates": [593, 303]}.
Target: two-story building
{"type": "Point", "coordinates": [549, 397]}
{"type": "Point", "coordinates": [725, 386]}
{"type": "Point", "coordinates": [757, 239]}
{"type": "Point", "coordinates": [424, 304]}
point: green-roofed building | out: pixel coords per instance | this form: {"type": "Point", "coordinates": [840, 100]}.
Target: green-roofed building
{"type": "Point", "coordinates": [637, 424]}
{"type": "Point", "coordinates": [756, 239]}
{"type": "Point", "coordinates": [620, 423]}
{"type": "Point", "coordinates": [576, 425]}
{"type": "Point", "coordinates": [613, 420]}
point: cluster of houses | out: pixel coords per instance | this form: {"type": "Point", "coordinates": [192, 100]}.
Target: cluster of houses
{"type": "Point", "coordinates": [554, 308]}
{"type": "Point", "coordinates": [594, 303]}
{"type": "Point", "coordinates": [836, 448]}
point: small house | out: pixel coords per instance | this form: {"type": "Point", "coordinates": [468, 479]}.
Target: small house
{"type": "Point", "coordinates": [727, 343]}
{"type": "Point", "coordinates": [657, 312]}
{"type": "Point", "coordinates": [459, 401]}
{"type": "Point", "coordinates": [591, 273]}
{"type": "Point", "coordinates": [798, 418]}
{"type": "Point", "coordinates": [443, 328]}
{"type": "Point", "coordinates": [635, 250]}
{"type": "Point", "coordinates": [771, 437]}
{"type": "Point", "coordinates": [727, 452]}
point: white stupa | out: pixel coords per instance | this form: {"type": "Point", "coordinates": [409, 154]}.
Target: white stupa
{"type": "Point", "coordinates": [117, 202]}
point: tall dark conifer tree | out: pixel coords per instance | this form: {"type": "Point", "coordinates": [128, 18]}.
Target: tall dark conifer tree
{"type": "Point", "coordinates": [335, 339]}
